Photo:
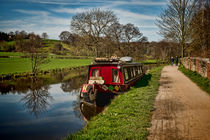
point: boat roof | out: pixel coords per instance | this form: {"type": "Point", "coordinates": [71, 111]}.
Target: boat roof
{"type": "Point", "coordinates": [114, 61]}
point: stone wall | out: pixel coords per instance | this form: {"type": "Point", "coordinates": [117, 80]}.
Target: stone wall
{"type": "Point", "coordinates": [200, 65]}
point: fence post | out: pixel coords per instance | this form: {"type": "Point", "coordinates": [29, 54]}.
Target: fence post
{"type": "Point", "coordinates": [208, 69]}
{"type": "Point", "coordinates": [197, 65]}
{"type": "Point", "coordinates": [189, 63]}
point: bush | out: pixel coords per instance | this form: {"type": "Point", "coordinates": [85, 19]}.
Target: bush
{"type": "Point", "coordinates": [6, 46]}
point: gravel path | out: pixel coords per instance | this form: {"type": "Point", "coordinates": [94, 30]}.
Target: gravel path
{"type": "Point", "coordinates": [182, 109]}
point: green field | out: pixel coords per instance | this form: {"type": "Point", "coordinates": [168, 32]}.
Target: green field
{"type": "Point", "coordinates": [152, 61]}
{"type": "Point", "coordinates": [128, 116]}
{"type": "Point", "coordinates": [19, 65]}
{"type": "Point", "coordinates": [11, 54]}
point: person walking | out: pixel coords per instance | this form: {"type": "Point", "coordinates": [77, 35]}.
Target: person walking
{"type": "Point", "coordinates": [176, 60]}
{"type": "Point", "coordinates": [172, 61]}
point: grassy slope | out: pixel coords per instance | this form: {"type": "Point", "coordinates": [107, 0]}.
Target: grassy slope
{"type": "Point", "coordinates": [128, 116]}
{"type": "Point", "coordinates": [18, 65]}
{"type": "Point", "coordinates": [203, 83]}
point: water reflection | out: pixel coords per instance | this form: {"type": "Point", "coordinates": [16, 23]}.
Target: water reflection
{"type": "Point", "coordinates": [38, 99]}
{"type": "Point", "coordinates": [37, 108]}
{"type": "Point", "coordinates": [22, 85]}
{"type": "Point", "coordinates": [74, 83]}
{"type": "Point", "coordinates": [89, 110]}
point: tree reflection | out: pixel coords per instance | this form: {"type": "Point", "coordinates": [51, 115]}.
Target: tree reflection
{"type": "Point", "coordinates": [73, 84]}
{"type": "Point", "coordinates": [38, 98]}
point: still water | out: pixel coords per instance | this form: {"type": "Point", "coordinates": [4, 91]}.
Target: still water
{"type": "Point", "coordinates": [31, 109]}
{"type": "Point", "coordinates": [36, 109]}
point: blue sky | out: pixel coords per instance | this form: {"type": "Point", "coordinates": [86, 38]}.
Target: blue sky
{"type": "Point", "coordinates": [54, 16]}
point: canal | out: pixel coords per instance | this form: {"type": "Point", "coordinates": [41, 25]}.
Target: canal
{"type": "Point", "coordinates": [32, 108]}
{"type": "Point", "coordinates": [45, 107]}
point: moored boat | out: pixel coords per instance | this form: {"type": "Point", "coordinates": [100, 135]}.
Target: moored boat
{"type": "Point", "coordinates": [110, 77]}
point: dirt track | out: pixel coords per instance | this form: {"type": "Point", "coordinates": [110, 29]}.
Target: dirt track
{"type": "Point", "coordinates": [182, 109]}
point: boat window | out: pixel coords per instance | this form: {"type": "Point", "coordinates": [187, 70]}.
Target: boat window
{"type": "Point", "coordinates": [136, 69]}
{"type": "Point", "coordinates": [139, 71]}
{"type": "Point", "coordinates": [95, 73]}
{"type": "Point", "coordinates": [131, 72]}
{"type": "Point", "coordinates": [126, 73]}
{"type": "Point", "coordinates": [134, 72]}
{"type": "Point", "coordinates": [115, 76]}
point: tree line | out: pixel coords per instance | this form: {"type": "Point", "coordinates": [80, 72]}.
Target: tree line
{"type": "Point", "coordinates": [20, 39]}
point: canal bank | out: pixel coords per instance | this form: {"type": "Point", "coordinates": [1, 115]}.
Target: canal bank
{"type": "Point", "coordinates": [128, 116]}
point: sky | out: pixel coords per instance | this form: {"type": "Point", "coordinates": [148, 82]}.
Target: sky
{"type": "Point", "coordinates": [54, 16]}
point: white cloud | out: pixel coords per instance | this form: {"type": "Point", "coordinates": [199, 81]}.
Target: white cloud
{"type": "Point", "coordinates": [53, 2]}
{"type": "Point", "coordinates": [70, 10]}
{"type": "Point", "coordinates": [38, 22]}
{"type": "Point", "coordinates": [148, 3]}
{"type": "Point", "coordinates": [90, 2]}
{"type": "Point", "coordinates": [32, 12]}
{"type": "Point", "coordinates": [128, 14]}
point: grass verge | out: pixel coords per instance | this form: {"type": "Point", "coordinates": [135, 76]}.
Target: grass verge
{"type": "Point", "coordinates": [202, 82]}
{"type": "Point", "coordinates": [128, 116]}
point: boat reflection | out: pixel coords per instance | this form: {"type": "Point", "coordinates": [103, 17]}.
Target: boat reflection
{"type": "Point", "coordinates": [89, 110]}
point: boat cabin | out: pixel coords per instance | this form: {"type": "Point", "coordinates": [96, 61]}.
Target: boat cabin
{"type": "Point", "coordinates": [111, 76]}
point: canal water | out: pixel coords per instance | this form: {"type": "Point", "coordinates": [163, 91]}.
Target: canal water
{"type": "Point", "coordinates": [46, 107]}
{"type": "Point", "coordinates": [31, 108]}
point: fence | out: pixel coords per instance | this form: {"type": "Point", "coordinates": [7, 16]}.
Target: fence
{"type": "Point", "coordinates": [200, 65]}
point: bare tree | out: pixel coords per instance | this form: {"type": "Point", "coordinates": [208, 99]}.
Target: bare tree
{"type": "Point", "coordinates": [33, 50]}
{"type": "Point", "coordinates": [200, 31]}
{"type": "Point", "coordinates": [131, 33]}
{"type": "Point", "coordinates": [175, 20]}
{"type": "Point", "coordinates": [44, 35]}
{"type": "Point", "coordinates": [20, 40]}
{"type": "Point", "coordinates": [94, 24]}
{"type": "Point", "coordinates": [114, 35]}
{"type": "Point", "coordinates": [64, 36]}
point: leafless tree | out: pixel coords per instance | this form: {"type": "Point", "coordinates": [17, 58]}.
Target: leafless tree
{"type": "Point", "coordinates": [20, 40]}
{"type": "Point", "coordinates": [94, 24]}
{"type": "Point", "coordinates": [33, 50]}
{"type": "Point", "coordinates": [64, 36]}
{"type": "Point", "coordinates": [44, 35]}
{"type": "Point", "coordinates": [175, 20]}
{"type": "Point", "coordinates": [131, 33]}
{"type": "Point", "coordinates": [200, 31]}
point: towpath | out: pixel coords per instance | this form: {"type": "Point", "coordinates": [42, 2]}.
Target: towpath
{"type": "Point", "coordinates": [182, 109]}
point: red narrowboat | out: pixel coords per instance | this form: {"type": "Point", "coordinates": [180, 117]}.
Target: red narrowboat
{"type": "Point", "coordinates": [110, 77]}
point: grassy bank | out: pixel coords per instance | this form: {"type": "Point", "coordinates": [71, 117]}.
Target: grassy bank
{"type": "Point", "coordinates": [128, 116]}
{"type": "Point", "coordinates": [203, 83]}
{"type": "Point", "coordinates": [20, 65]}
